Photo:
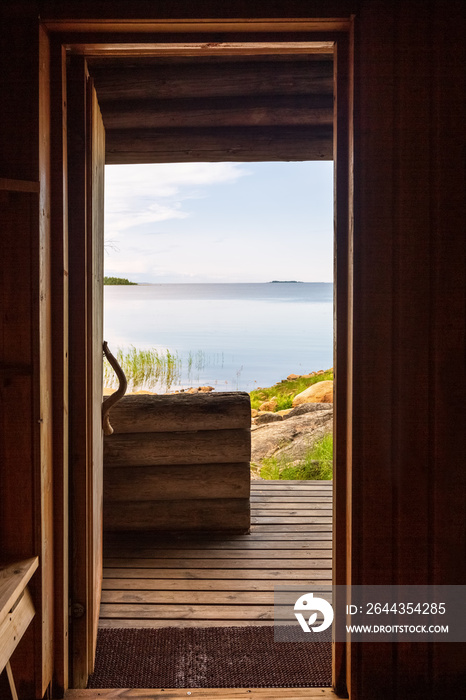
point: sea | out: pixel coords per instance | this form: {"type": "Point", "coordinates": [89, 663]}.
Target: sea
{"type": "Point", "coordinates": [233, 337]}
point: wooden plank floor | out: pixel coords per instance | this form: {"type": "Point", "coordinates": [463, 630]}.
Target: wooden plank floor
{"type": "Point", "coordinates": [222, 581]}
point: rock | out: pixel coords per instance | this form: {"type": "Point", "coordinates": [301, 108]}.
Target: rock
{"type": "Point", "coordinates": [270, 405]}
{"type": "Point", "coordinates": [293, 376]}
{"type": "Point", "coordinates": [284, 412]}
{"type": "Point", "coordinates": [322, 392]}
{"type": "Point", "coordinates": [206, 389]}
{"type": "Point", "coordinates": [254, 412]}
{"type": "Point", "coordinates": [308, 376]}
{"type": "Point", "coordinates": [291, 437]}
{"type": "Point", "coordinates": [267, 417]}
{"type": "Point", "coordinates": [309, 408]}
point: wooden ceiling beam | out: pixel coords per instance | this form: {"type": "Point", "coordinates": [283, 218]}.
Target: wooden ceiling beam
{"type": "Point", "coordinates": [212, 80]}
{"type": "Point", "coordinates": [216, 145]}
{"type": "Point", "coordinates": [219, 112]}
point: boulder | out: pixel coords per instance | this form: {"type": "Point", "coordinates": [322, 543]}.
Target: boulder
{"type": "Point", "coordinates": [291, 437]}
{"type": "Point", "coordinates": [322, 392]}
{"type": "Point", "coordinates": [308, 408]}
{"type": "Point", "coordinates": [293, 376]}
{"type": "Point", "coordinates": [270, 405]}
{"type": "Point", "coordinates": [267, 417]}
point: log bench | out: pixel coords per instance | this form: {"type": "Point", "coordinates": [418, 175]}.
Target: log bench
{"type": "Point", "coordinates": [178, 463]}
{"type": "Point", "coordinates": [16, 611]}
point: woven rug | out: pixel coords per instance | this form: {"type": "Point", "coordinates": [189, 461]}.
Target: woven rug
{"type": "Point", "coordinates": [215, 657]}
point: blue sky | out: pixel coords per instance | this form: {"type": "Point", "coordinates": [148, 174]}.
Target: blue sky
{"type": "Point", "coordinates": [219, 222]}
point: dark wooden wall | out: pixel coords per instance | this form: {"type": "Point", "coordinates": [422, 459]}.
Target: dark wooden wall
{"type": "Point", "coordinates": [407, 509]}
{"type": "Point", "coordinates": [26, 477]}
{"type": "Point", "coordinates": [409, 410]}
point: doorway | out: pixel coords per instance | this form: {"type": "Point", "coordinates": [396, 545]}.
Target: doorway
{"type": "Point", "coordinates": [342, 260]}
{"type": "Point", "coordinates": [219, 581]}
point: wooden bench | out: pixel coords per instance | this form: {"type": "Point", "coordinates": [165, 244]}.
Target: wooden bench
{"type": "Point", "coordinates": [16, 611]}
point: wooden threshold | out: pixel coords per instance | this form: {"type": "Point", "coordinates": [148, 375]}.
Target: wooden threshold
{"type": "Point", "coordinates": [205, 693]}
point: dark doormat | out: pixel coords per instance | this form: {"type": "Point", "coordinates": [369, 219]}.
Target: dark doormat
{"type": "Point", "coordinates": [215, 657]}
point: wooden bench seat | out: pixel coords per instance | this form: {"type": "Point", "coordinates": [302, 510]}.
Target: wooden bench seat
{"type": "Point", "coordinates": [16, 611]}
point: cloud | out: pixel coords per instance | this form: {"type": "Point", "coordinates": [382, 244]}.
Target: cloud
{"type": "Point", "coordinates": [145, 194]}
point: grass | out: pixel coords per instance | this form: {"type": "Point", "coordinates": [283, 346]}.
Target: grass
{"type": "Point", "coordinates": [316, 464]}
{"type": "Point", "coordinates": [286, 390]}
{"type": "Point", "coordinates": [145, 369]}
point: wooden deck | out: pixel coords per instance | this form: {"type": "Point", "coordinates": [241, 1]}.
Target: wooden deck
{"type": "Point", "coordinates": [222, 581]}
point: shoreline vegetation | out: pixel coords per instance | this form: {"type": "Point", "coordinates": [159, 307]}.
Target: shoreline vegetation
{"type": "Point", "coordinates": [316, 464]}
{"type": "Point", "coordinates": [280, 396]}
{"type": "Point", "coordinates": [118, 280]}
{"type": "Point", "coordinates": [149, 369]}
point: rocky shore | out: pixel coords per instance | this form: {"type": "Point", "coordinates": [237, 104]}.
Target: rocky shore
{"type": "Point", "coordinates": [289, 434]}
{"type": "Point", "coordinates": [285, 434]}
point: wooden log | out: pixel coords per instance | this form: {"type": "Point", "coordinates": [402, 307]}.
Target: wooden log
{"type": "Point", "coordinates": [214, 79]}
{"type": "Point", "coordinates": [302, 110]}
{"type": "Point", "coordinates": [235, 144]}
{"type": "Point", "coordinates": [151, 414]}
{"type": "Point", "coordinates": [202, 447]}
{"type": "Point", "coordinates": [229, 515]}
{"type": "Point", "coordinates": [177, 482]}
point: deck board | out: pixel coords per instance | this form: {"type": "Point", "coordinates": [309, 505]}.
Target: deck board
{"type": "Point", "coordinates": [221, 580]}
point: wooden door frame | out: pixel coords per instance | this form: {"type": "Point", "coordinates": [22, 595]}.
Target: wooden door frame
{"type": "Point", "coordinates": [98, 38]}
{"type": "Point", "coordinates": [85, 227]}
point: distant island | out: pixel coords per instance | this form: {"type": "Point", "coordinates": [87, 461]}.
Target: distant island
{"type": "Point", "coordinates": [117, 280]}
{"type": "Point", "coordinates": [285, 282]}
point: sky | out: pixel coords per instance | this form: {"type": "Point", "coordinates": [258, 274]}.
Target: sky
{"type": "Point", "coordinates": [219, 222]}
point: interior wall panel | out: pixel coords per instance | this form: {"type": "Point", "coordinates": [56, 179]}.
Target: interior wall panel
{"type": "Point", "coordinates": [25, 345]}
{"type": "Point", "coordinates": [448, 332]}
{"type": "Point", "coordinates": [409, 485]}
{"type": "Point", "coordinates": [372, 506]}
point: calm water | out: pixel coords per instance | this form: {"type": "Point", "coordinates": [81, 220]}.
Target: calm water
{"type": "Point", "coordinates": [231, 336]}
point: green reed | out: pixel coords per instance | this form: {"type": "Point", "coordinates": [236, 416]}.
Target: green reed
{"type": "Point", "coordinates": [145, 369]}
